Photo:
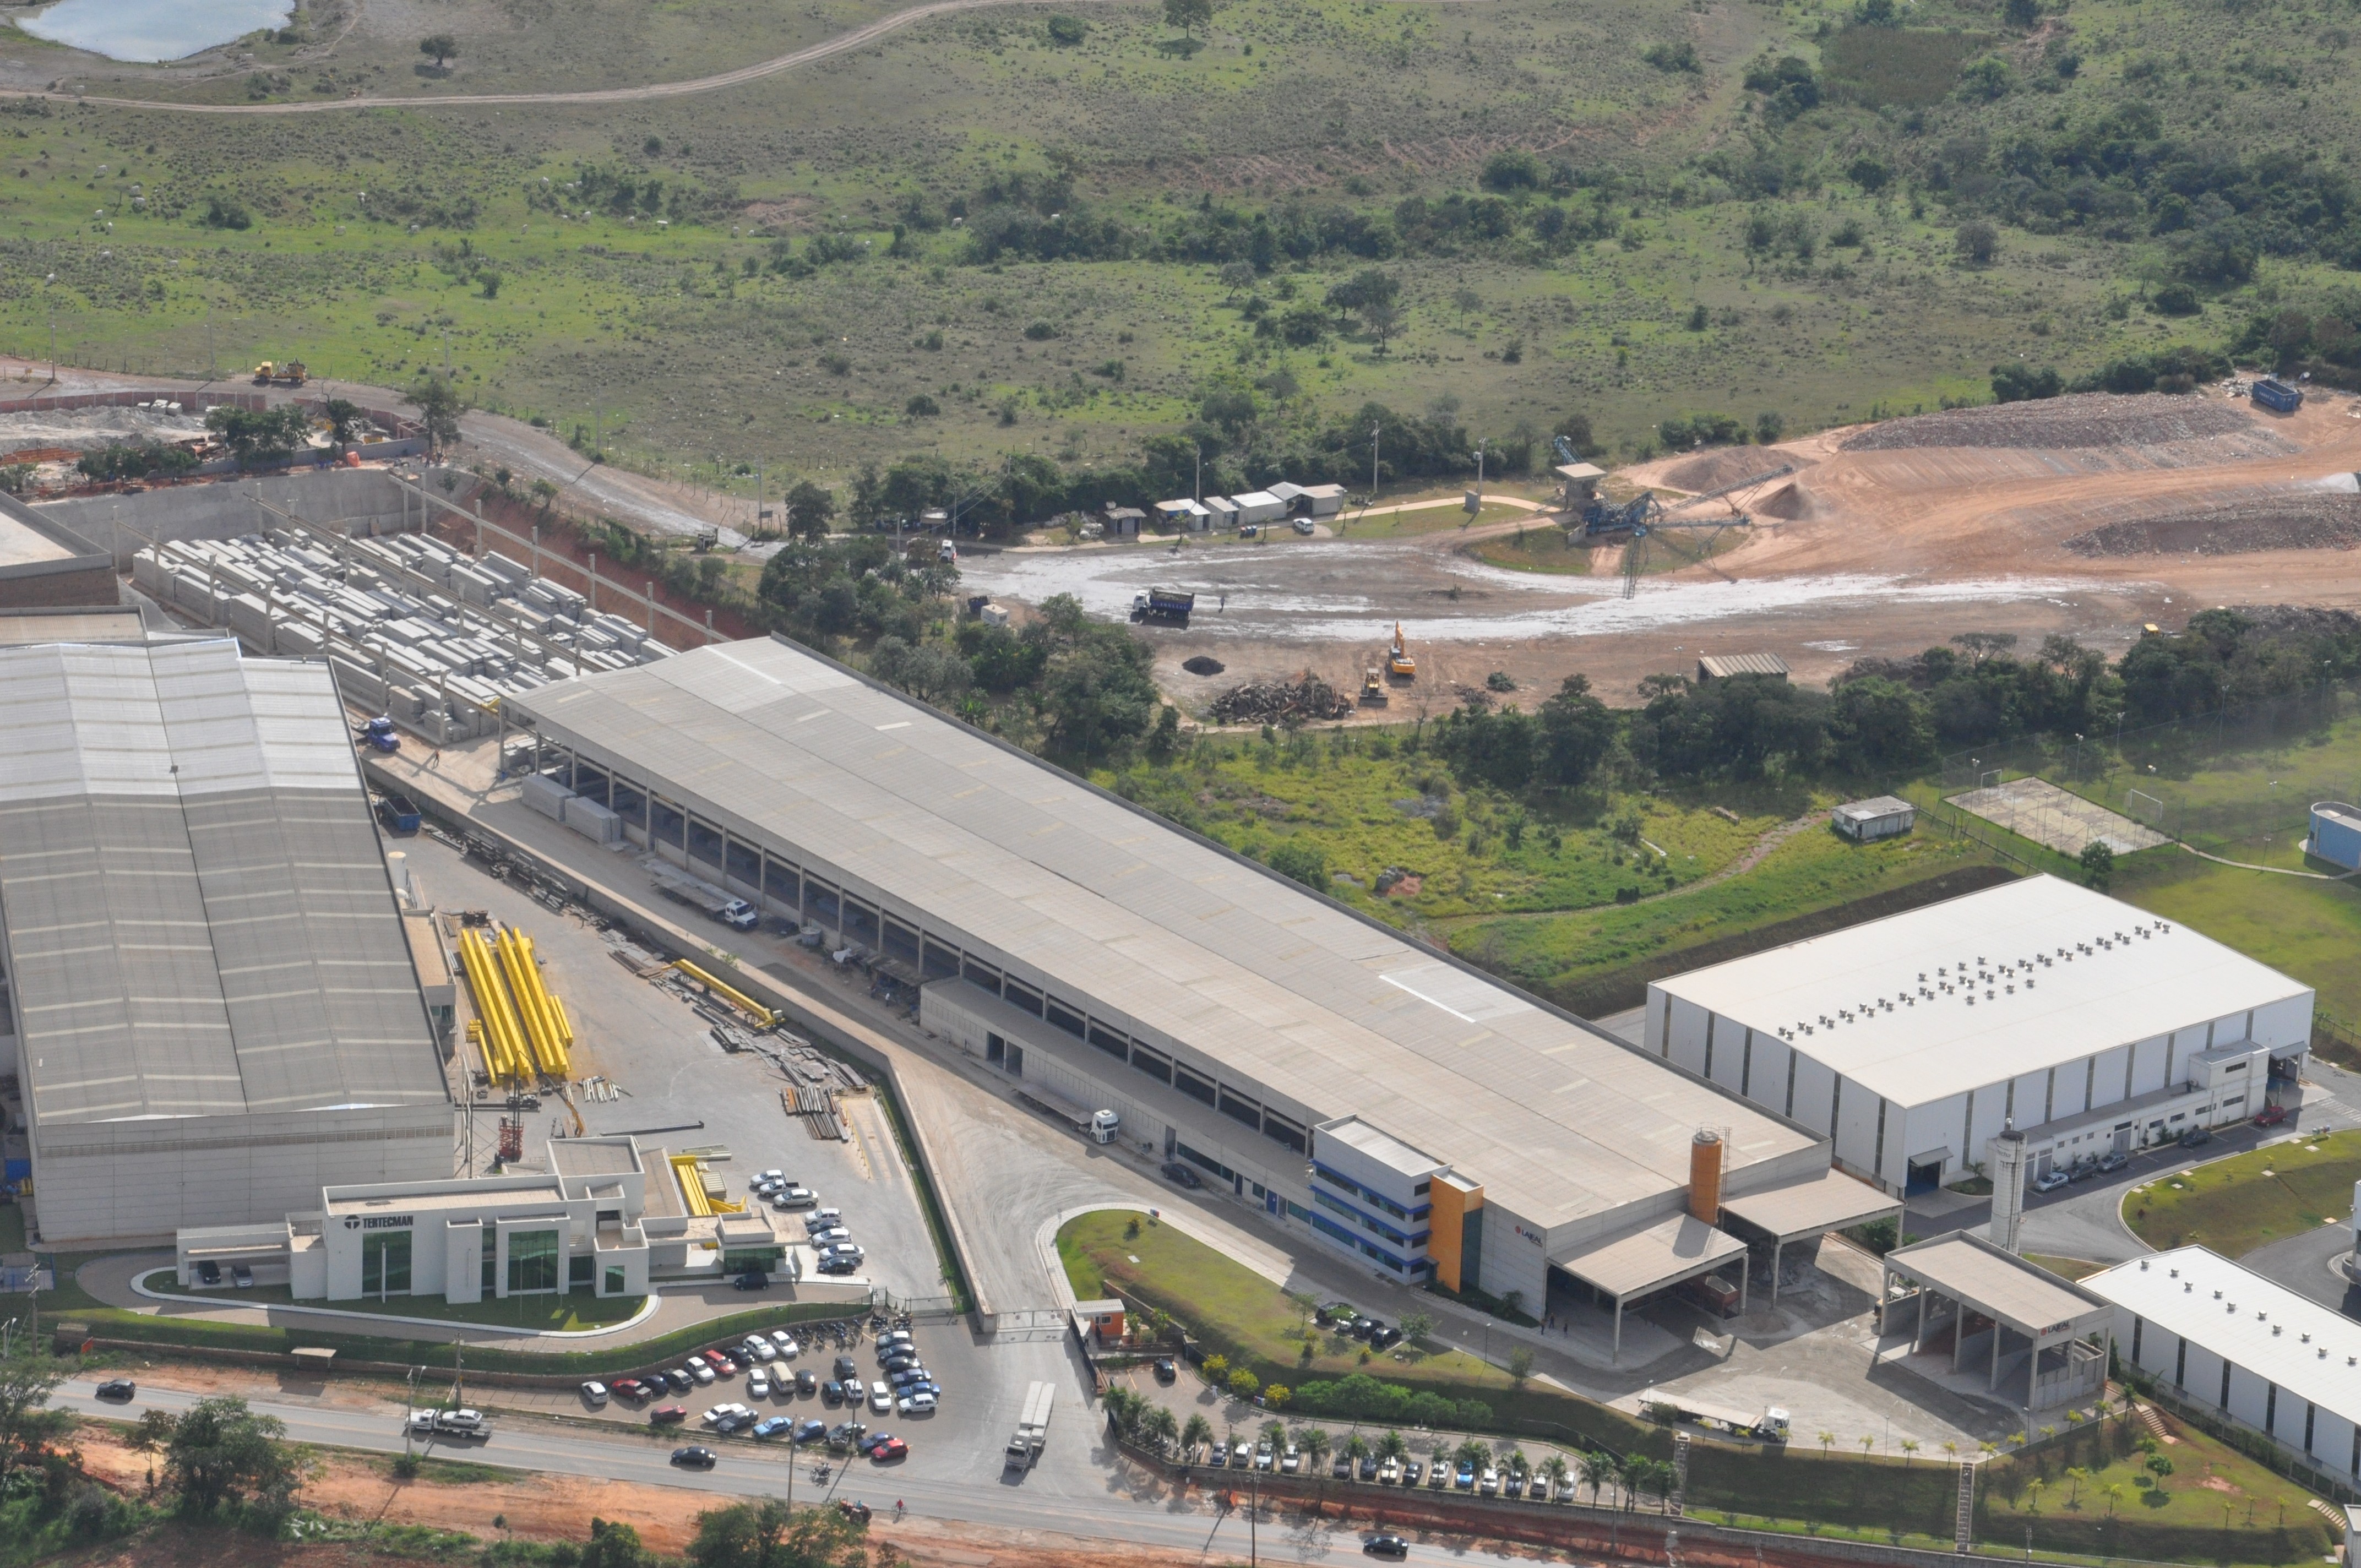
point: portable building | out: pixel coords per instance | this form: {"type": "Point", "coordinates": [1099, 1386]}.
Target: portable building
{"type": "Point", "coordinates": [2337, 834]}
{"type": "Point", "coordinates": [1258, 506]}
{"type": "Point", "coordinates": [1880, 817]}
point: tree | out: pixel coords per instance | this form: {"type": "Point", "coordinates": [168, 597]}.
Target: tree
{"type": "Point", "coordinates": [1594, 1470]}
{"type": "Point", "coordinates": [439, 408]}
{"type": "Point", "coordinates": [1300, 861]}
{"type": "Point", "coordinates": [1554, 1470]}
{"type": "Point", "coordinates": [442, 47]}
{"type": "Point", "coordinates": [1198, 1431]}
{"type": "Point", "coordinates": [1909, 1447]}
{"type": "Point", "coordinates": [1316, 1444]}
{"type": "Point", "coordinates": [1977, 240]}
{"type": "Point", "coordinates": [1160, 1424]}
{"type": "Point", "coordinates": [265, 435]}
{"type": "Point", "coordinates": [27, 1425]}
{"type": "Point", "coordinates": [220, 1451]}
{"type": "Point", "coordinates": [1521, 1366]}
{"type": "Point", "coordinates": [344, 419]}
{"type": "Point", "coordinates": [764, 1535]}
{"type": "Point", "coordinates": [1356, 1448]}
{"type": "Point", "coordinates": [1383, 319]}
{"type": "Point", "coordinates": [1416, 1326]}
{"type": "Point", "coordinates": [1244, 1384]}
{"type": "Point", "coordinates": [809, 510]}
{"type": "Point", "coordinates": [1188, 14]}
{"type": "Point", "coordinates": [1575, 732]}
{"type": "Point", "coordinates": [1827, 1440]}
{"type": "Point", "coordinates": [614, 1545]}
{"type": "Point", "coordinates": [2098, 861]}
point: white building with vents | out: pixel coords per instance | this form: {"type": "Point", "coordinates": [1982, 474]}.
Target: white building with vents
{"type": "Point", "coordinates": [212, 1007]}
{"type": "Point", "coordinates": [1912, 1041]}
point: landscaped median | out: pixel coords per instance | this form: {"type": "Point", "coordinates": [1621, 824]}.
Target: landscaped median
{"type": "Point", "coordinates": [2233, 1206]}
{"type": "Point", "coordinates": [2091, 1488]}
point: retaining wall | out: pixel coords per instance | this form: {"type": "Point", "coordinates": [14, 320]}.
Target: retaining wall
{"type": "Point", "coordinates": [366, 500]}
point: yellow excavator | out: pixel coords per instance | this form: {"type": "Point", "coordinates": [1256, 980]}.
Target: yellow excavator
{"type": "Point", "coordinates": [1400, 663]}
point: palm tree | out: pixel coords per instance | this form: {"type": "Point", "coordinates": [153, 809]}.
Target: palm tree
{"type": "Point", "coordinates": [1197, 1433]}
{"type": "Point", "coordinates": [1316, 1444]}
{"type": "Point", "coordinates": [1827, 1441]}
{"type": "Point", "coordinates": [2113, 1491]}
{"type": "Point", "coordinates": [1625, 1472]}
{"type": "Point", "coordinates": [1909, 1447]}
{"type": "Point", "coordinates": [1867, 1442]}
{"type": "Point", "coordinates": [2076, 1475]}
{"type": "Point", "coordinates": [1356, 1448]}
{"type": "Point", "coordinates": [1274, 1432]}
{"type": "Point", "coordinates": [2037, 1486]}
{"type": "Point", "coordinates": [1554, 1470]}
{"type": "Point", "coordinates": [1162, 1425]}
{"type": "Point", "coordinates": [1472, 1453]}
{"type": "Point", "coordinates": [1392, 1446]}
{"type": "Point", "coordinates": [1595, 1470]}
{"type": "Point", "coordinates": [1122, 1409]}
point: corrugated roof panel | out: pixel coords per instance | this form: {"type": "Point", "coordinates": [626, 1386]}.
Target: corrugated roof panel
{"type": "Point", "coordinates": [194, 901]}
{"type": "Point", "coordinates": [1172, 937]}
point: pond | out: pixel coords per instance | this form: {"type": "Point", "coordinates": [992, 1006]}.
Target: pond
{"type": "Point", "coordinates": [151, 30]}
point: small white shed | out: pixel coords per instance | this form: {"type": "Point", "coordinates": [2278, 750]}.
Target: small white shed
{"type": "Point", "coordinates": [1882, 817]}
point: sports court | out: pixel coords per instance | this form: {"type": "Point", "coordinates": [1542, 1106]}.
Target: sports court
{"type": "Point", "coordinates": [2036, 810]}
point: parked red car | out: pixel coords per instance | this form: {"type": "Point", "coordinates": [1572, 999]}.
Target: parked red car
{"type": "Point", "coordinates": [892, 1448]}
{"type": "Point", "coordinates": [2270, 1116]}
{"type": "Point", "coordinates": [665, 1415]}
{"type": "Point", "coordinates": [626, 1388]}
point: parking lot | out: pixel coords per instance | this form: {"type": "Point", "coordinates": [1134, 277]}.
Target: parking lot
{"type": "Point", "coordinates": [681, 1092]}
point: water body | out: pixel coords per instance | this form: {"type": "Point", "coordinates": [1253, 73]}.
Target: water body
{"type": "Point", "coordinates": [149, 31]}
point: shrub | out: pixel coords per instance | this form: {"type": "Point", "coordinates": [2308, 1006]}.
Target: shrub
{"type": "Point", "coordinates": [1068, 31]}
{"type": "Point", "coordinates": [922, 407]}
{"type": "Point", "coordinates": [225, 213]}
{"type": "Point", "coordinates": [1678, 57]}
{"type": "Point", "coordinates": [1976, 240]}
{"type": "Point", "coordinates": [2021, 383]}
{"type": "Point", "coordinates": [1302, 861]}
{"type": "Point", "coordinates": [2177, 300]}
{"type": "Point", "coordinates": [1512, 169]}
{"type": "Point", "coordinates": [1040, 332]}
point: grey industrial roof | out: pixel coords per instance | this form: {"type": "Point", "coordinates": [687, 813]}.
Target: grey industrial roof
{"type": "Point", "coordinates": [1969, 1269]}
{"type": "Point", "coordinates": [2058, 971]}
{"type": "Point", "coordinates": [2236, 1313]}
{"type": "Point", "coordinates": [1722, 665]}
{"type": "Point", "coordinates": [195, 907]}
{"type": "Point", "coordinates": [593, 1157]}
{"type": "Point", "coordinates": [1680, 1248]}
{"type": "Point", "coordinates": [1559, 1122]}
{"type": "Point", "coordinates": [1829, 1202]}
{"type": "Point", "coordinates": [1379, 1146]}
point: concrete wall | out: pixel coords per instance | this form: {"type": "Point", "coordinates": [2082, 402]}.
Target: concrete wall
{"type": "Point", "coordinates": [365, 498]}
{"type": "Point", "coordinates": [114, 1181]}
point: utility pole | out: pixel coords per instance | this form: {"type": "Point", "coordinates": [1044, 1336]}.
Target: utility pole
{"type": "Point", "coordinates": [1373, 461]}
{"type": "Point", "coordinates": [1197, 488]}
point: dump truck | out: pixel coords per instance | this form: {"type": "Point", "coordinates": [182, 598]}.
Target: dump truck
{"type": "Point", "coordinates": [282, 373]}
{"type": "Point", "coordinates": [727, 907]}
{"type": "Point", "coordinates": [1099, 1126]}
{"type": "Point", "coordinates": [1163, 604]}
{"type": "Point", "coordinates": [1400, 663]}
{"type": "Point", "coordinates": [1033, 1427]}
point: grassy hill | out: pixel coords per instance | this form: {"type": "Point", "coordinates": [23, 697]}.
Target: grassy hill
{"type": "Point", "coordinates": [1631, 213]}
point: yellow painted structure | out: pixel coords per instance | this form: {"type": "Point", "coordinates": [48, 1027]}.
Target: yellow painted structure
{"type": "Point", "coordinates": [690, 1173]}
{"type": "Point", "coordinates": [729, 993]}
{"type": "Point", "coordinates": [502, 1036]}
{"type": "Point", "coordinates": [1455, 1201]}
{"type": "Point", "coordinates": [520, 1028]}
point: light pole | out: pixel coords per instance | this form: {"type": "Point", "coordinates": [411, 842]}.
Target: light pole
{"type": "Point", "coordinates": [1373, 429]}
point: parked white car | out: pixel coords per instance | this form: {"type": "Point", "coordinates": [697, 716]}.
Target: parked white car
{"type": "Point", "coordinates": [758, 1385]}
{"type": "Point", "coordinates": [784, 1343]}
{"type": "Point", "coordinates": [881, 1399]}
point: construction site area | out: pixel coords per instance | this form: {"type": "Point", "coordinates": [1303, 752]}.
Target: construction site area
{"type": "Point", "coordinates": [2089, 515]}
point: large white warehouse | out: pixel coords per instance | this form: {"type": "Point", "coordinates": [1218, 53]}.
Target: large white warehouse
{"type": "Point", "coordinates": [2219, 1334]}
{"type": "Point", "coordinates": [1912, 1041]}
{"type": "Point", "coordinates": [212, 1008]}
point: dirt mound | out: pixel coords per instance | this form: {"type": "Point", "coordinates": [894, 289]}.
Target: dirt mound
{"type": "Point", "coordinates": [2089, 419]}
{"type": "Point", "coordinates": [1273, 702]}
{"type": "Point", "coordinates": [2311, 520]}
{"type": "Point", "coordinates": [1725, 466]}
{"type": "Point", "coordinates": [1790, 501]}
{"type": "Point", "coordinates": [1201, 665]}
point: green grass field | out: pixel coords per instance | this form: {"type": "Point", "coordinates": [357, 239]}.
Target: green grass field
{"type": "Point", "coordinates": [2236, 1205]}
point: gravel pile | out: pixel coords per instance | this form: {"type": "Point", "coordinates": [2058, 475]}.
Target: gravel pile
{"type": "Point", "coordinates": [2089, 419]}
{"type": "Point", "coordinates": [1274, 702]}
{"type": "Point", "coordinates": [2315, 520]}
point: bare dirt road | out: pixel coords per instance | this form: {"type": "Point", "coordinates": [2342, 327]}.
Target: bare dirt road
{"type": "Point", "coordinates": [1878, 545]}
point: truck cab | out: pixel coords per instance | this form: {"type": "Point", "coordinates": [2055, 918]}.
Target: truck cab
{"type": "Point", "coordinates": [739, 913]}
{"type": "Point", "coordinates": [1104, 1126]}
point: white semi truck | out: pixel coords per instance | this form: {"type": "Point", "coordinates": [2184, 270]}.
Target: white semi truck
{"type": "Point", "coordinates": [1099, 1126]}
{"type": "Point", "coordinates": [1033, 1427]}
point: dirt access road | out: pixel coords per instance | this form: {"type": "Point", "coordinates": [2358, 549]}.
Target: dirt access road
{"type": "Point", "coordinates": [656, 505]}
{"type": "Point", "coordinates": [1886, 540]}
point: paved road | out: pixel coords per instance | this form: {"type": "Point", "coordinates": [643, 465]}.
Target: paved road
{"type": "Point", "coordinates": [940, 1480]}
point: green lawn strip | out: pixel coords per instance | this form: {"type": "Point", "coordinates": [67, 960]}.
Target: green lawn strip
{"type": "Point", "coordinates": [2306, 928]}
{"type": "Point", "coordinates": [1241, 1315]}
{"type": "Point", "coordinates": [947, 1258]}
{"type": "Point", "coordinates": [1598, 961]}
{"type": "Point", "coordinates": [2216, 1504]}
{"type": "Point", "coordinates": [199, 1334]}
{"type": "Point", "coordinates": [524, 1313]}
{"type": "Point", "coordinates": [2237, 1204]}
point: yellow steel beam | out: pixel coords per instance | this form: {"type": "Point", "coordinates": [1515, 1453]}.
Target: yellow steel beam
{"type": "Point", "coordinates": [728, 993]}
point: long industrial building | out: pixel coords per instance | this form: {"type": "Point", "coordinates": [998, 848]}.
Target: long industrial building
{"type": "Point", "coordinates": [1912, 1041]}
{"type": "Point", "coordinates": [1406, 1110]}
{"type": "Point", "coordinates": [213, 1005]}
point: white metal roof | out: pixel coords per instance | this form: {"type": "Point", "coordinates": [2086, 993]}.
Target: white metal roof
{"type": "Point", "coordinates": [1159, 932]}
{"type": "Point", "coordinates": [1984, 987]}
{"type": "Point", "coordinates": [1967, 1268]}
{"type": "Point", "coordinates": [1872, 808]}
{"type": "Point", "coordinates": [196, 909]}
{"type": "Point", "coordinates": [2263, 1327]}
{"type": "Point", "coordinates": [1678, 1248]}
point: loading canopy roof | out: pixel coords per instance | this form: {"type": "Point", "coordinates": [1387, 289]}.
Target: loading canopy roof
{"type": "Point", "coordinates": [1997, 1283]}
{"type": "Point", "coordinates": [1829, 1202]}
{"type": "Point", "coordinates": [1662, 1255]}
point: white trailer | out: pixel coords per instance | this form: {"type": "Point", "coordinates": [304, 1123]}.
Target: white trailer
{"type": "Point", "coordinates": [1032, 1427]}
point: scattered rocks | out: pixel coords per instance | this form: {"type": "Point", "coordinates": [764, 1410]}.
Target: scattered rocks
{"type": "Point", "coordinates": [1201, 665]}
{"type": "Point", "coordinates": [1273, 702]}
{"type": "Point", "coordinates": [2088, 419]}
